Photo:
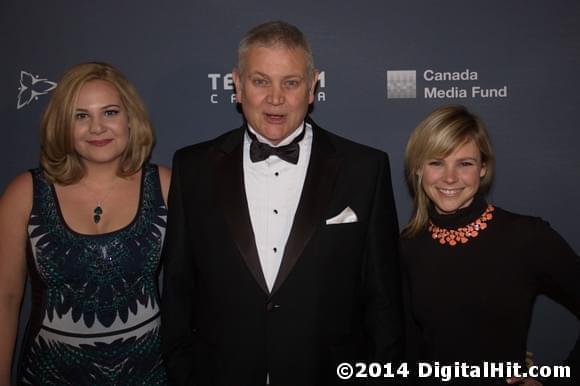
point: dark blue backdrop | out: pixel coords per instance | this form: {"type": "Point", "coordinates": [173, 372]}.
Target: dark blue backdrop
{"type": "Point", "coordinates": [179, 53]}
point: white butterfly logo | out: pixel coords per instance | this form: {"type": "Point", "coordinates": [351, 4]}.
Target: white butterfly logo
{"type": "Point", "coordinates": [31, 87]}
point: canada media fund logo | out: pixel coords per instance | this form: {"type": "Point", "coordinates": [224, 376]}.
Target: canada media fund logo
{"type": "Point", "coordinates": [465, 84]}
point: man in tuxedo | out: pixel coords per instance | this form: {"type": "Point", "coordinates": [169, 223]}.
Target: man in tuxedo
{"type": "Point", "coordinates": [281, 250]}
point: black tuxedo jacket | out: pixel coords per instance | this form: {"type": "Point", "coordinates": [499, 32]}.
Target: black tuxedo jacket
{"type": "Point", "coordinates": [337, 294]}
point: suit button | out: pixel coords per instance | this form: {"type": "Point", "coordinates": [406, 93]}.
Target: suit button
{"type": "Point", "coordinates": [271, 306]}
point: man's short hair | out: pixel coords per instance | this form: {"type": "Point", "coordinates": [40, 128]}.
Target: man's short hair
{"type": "Point", "coordinates": [274, 33]}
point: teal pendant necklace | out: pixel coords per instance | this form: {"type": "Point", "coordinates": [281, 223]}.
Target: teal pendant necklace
{"type": "Point", "coordinates": [97, 213]}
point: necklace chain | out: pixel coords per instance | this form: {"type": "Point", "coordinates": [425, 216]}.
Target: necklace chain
{"type": "Point", "coordinates": [463, 234]}
{"type": "Point", "coordinates": [98, 210]}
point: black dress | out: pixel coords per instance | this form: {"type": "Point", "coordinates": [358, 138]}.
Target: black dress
{"type": "Point", "coordinates": [473, 302]}
{"type": "Point", "coordinates": [95, 306]}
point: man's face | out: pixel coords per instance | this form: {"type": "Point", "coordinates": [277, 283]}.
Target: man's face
{"type": "Point", "coordinates": [275, 90]}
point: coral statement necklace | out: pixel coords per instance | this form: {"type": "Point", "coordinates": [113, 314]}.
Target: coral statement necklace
{"type": "Point", "coordinates": [463, 234]}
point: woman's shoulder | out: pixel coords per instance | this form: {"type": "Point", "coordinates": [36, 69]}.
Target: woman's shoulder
{"type": "Point", "coordinates": [17, 196]}
{"type": "Point", "coordinates": [20, 185]}
{"type": "Point", "coordinates": [411, 244]}
{"type": "Point", "coordinates": [519, 220]}
{"type": "Point", "coordinates": [536, 231]}
{"type": "Point", "coordinates": [164, 178]}
{"type": "Point", "coordinates": [164, 173]}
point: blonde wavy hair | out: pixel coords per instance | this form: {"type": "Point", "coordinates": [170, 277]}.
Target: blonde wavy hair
{"type": "Point", "coordinates": [58, 157]}
{"type": "Point", "coordinates": [438, 135]}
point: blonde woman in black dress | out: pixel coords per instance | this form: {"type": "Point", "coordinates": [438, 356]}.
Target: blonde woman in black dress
{"type": "Point", "coordinates": [473, 270]}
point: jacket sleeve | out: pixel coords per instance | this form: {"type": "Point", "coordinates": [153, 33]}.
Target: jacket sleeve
{"type": "Point", "coordinates": [383, 306]}
{"type": "Point", "coordinates": [178, 286]}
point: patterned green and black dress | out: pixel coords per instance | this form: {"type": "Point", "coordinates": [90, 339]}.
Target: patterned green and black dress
{"type": "Point", "coordinates": [95, 299]}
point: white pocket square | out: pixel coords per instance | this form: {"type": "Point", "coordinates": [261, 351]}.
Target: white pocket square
{"type": "Point", "coordinates": [346, 216]}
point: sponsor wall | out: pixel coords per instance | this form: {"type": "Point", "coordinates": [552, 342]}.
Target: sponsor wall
{"type": "Point", "coordinates": [384, 66]}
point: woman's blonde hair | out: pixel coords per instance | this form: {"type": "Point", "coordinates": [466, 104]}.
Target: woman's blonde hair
{"type": "Point", "coordinates": [58, 158]}
{"type": "Point", "coordinates": [438, 135]}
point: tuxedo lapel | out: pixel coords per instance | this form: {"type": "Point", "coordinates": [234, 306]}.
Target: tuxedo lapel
{"type": "Point", "coordinates": [316, 192]}
{"type": "Point", "coordinates": [229, 173]}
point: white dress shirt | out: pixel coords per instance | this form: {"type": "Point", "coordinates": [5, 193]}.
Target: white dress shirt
{"type": "Point", "coordinates": [273, 189]}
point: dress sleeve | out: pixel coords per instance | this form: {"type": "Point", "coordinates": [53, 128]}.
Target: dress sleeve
{"type": "Point", "coordinates": [557, 268]}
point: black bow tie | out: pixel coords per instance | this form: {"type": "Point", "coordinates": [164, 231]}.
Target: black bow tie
{"type": "Point", "coordinates": [260, 151]}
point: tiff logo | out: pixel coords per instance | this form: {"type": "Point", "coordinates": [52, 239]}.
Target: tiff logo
{"type": "Point", "coordinates": [401, 84]}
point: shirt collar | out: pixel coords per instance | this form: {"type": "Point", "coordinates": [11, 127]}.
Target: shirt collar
{"type": "Point", "coordinates": [285, 141]}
